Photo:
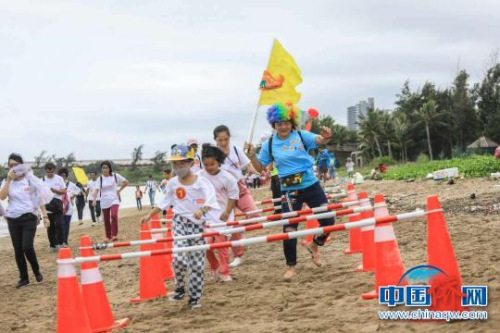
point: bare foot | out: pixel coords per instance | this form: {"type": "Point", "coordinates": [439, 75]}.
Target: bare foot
{"type": "Point", "coordinates": [313, 250]}
{"type": "Point", "coordinates": [290, 273]}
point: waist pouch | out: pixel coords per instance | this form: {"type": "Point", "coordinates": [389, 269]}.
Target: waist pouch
{"type": "Point", "coordinates": [55, 206]}
{"type": "Point", "coordinates": [292, 180]}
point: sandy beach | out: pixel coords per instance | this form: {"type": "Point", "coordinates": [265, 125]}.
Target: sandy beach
{"type": "Point", "coordinates": [325, 299]}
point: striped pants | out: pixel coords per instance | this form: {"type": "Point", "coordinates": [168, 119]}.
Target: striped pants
{"type": "Point", "coordinates": [194, 262]}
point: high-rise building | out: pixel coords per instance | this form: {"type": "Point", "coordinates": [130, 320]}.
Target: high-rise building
{"type": "Point", "coordinates": [355, 111]}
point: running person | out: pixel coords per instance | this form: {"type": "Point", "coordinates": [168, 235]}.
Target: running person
{"type": "Point", "coordinates": [226, 190]}
{"type": "Point", "coordinates": [110, 198]}
{"type": "Point", "coordinates": [55, 207]}
{"type": "Point", "coordinates": [26, 194]}
{"type": "Point", "coordinates": [236, 161]}
{"type": "Point", "coordinates": [288, 149]}
{"type": "Point", "coordinates": [192, 198]}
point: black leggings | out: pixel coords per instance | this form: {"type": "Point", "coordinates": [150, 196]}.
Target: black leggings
{"type": "Point", "coordinates": [22, 233]}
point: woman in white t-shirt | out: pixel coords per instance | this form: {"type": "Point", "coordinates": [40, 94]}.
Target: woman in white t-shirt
{"type": "Point", "coordinates": [150, 189]}
{"type": "Point", "coordinates": [110, 198]}
{"type": "Point", "coordinates": [236, 161]}
{"type": "Point", "coordinates": [26, 194]}
{"type": "Point", "coordinates": [350, 167]}
{"type": "Point", "coordinates": [227, 193]}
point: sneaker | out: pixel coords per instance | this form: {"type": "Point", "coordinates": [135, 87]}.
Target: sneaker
{"type": "Point", "coordinates": [236, 262]}
{"type": "Point", "coordinates": [194, 303]}
{"type": "Point", "coordinates": [178, 295]}
{"type": "Point", "coordinates": [64, 245]}
{"type": "Point", "coordinates": [214, 276]}
{"type": "Point", "coordinates": [114, 239]}
{"type": "Point", "coordinates": [22, 283]}
{"type": "Point", "coordinates": [93, 224]}
{"type": "Point", "coordinates": [39, 277]}
{"type": "Point", "coordinates": [226, 278]}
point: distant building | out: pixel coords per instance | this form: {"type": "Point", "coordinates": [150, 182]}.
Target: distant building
{"type": "Point", "coordinates": [355, 111]}
{"type": "Point", "coordinates": [352, 118]}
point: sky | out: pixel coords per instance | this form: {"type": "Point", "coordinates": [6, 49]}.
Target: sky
{"type": "Point", "coordinates": [97, 78]}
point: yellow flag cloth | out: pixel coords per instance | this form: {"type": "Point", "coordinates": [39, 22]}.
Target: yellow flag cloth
{"type": "Point", "coordinates": [80, 175]}
{"type": "Point", "coordinates": [281, 63]}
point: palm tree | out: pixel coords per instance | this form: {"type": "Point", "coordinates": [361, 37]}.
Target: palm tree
{"type": "Point", "coordinates": [371, 129]}
{"type": "Point", "coordinates": [387, 129]}
{"type": "Point", "coordinates": [429, 115]}
{"type": "Point", "coordinates": [401, 126]}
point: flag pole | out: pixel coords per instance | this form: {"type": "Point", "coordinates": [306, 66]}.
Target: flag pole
{"type": "Point", "coordinates": [254, 118]}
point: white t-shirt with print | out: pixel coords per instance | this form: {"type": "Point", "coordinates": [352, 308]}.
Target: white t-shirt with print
{"type": "Point", "coordinates": [151, 185]}
{"type": "Point", "coordinates": [187, 199]}
{"type": "Point", "coordinates": [19, 199]}
{"type": "Point", "coordinates": [109, 189]}
{"type": "Point", "coordinates": [350, 166]}
{"type": "Point", "coordinates": [91, 185]}
{"type": "Point", "coordinates": [56, 183]}
{"type": "Point", "coordinates": [226, 187]}
{"type": "Point", "coordinates": [235, 163]}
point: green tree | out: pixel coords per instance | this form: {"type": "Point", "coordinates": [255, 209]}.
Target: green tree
{"type": "Point", "coordinates": [159, 160]}
{"type": "Point", "coordinates": [136, 156]}
{"type": "Point", "coordinates": [370, 130]}
{"type": "Point", "coordinates": [464, 119]}
{"type": "Point", "coordinates": [430, 116]}
{"type": "Point", "coordinates": [489, 103]}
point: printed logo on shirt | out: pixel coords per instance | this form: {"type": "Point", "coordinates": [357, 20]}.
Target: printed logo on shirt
{"type": "Point", "coordinates": [26, 189]}
{"type": "Point", "coordinates": [200, 201]}
{"type": "Point", "coordinates": [180, 192]}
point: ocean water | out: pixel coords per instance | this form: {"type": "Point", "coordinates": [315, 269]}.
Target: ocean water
{"type": "Point", "coordinates": [128, 201]}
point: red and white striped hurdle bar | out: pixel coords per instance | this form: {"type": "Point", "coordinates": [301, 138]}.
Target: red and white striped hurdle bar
{"type": "Point", "coordinates": [269, 201]}
{"type": "Point", "coordinates": [271, 209]}
{"type": "Point", "coordinates": [258, 226]}
{"type": "Point", "coordinates": [253, 240]}
{"type": "Point", "coordinates": [275, 217]}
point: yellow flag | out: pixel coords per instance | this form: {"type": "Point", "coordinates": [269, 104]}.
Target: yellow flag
{"type": "Point", "coordinates": [80, 175]}
{"type": "Point", "coordinates": [281, 65]}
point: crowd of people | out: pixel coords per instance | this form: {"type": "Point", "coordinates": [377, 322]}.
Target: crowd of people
{"type": "Point", "coordinates": [206, 185]}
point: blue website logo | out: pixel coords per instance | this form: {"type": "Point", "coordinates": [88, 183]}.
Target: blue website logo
{"type": "Point", "coordinates": [415, 289]}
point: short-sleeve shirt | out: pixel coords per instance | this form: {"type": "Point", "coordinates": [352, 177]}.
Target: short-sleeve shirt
{"type": "Point", "coordinates": [109, 189]}
{"type": "Point", "coordinates": [349, 166]}
{"type": "Point", "coordinates": [196, 164]}
{"type": "Point", "coordinates": [19, 199]}
{"type": "Point", "coordinates": [236, 162]}
{"type": "Point", "coordinates": [291, 157]}
{"type": "Point", "coordinates": [151, 185]}
{"type": "Point", "coordinates": [226, 187]}
{"type": "Point", "coordinates": [56, 183]}
{"type": "Point", "coordinates": [93, 184]}
{"type": "Point", "coordinates": [187, 199]}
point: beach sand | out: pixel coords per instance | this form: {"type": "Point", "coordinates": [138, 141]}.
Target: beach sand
{"type": "Point", "coordinates": [325, 299]}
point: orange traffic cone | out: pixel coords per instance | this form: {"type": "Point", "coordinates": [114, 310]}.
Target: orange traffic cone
{"type": "Point", "coordinates": [150, 276]}
{"type": "Point", "coordinates": [445, 290]}
{"type": "Point", "coordinates": [71, 313]}
{"type": "Point", "coordinates": [367, 233]}
{"type": "Point", "coordinates": [355, 242]}
{"type": "Point", "coordinates": [389, 266]}
{"type": "Point", "coordinates": [94, 294]}
{"type": "Point", "coordinates": [163, 263]}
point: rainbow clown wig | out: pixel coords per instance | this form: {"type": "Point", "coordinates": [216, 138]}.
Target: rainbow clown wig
{"type": "Point", "coordinates": [281, 112]}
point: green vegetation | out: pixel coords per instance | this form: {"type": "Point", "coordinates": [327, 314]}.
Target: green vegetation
{"type": "Point", "coordinates": [470, 167]}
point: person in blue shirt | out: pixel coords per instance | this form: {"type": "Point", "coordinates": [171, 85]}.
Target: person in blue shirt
{"type": "Point", "coordinates": [288, 149]}
{"type": "Point", "coordinates": [323, 163]}
{"type": "Point", "coordinates": [332, 168]}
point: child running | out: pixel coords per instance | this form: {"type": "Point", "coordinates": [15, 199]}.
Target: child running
{"type": "Point", "coordinates": [226, 190]}
{"type": "Point", "coordinates": [192, 197]}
